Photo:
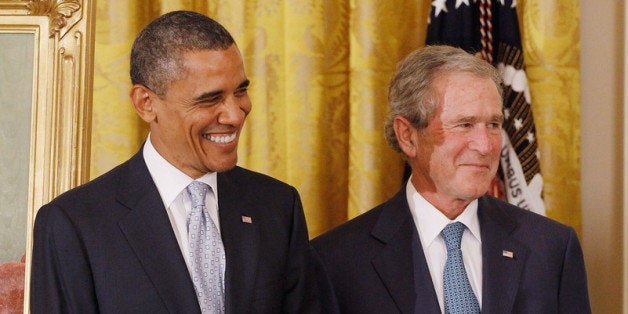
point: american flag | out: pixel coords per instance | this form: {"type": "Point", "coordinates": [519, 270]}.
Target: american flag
{"type": "Point", "coordinates": [490, 29]}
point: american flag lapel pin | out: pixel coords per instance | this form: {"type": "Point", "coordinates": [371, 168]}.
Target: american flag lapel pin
{"type": "Point", "coordinates": [508, 254]}
{"type": "Point", "coordinates": [247, 220]}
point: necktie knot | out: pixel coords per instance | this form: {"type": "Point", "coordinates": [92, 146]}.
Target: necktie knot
{"type": "Point", "coordinates": [197, 191]}
{"type": "Point", "coordinates": [452, 233]}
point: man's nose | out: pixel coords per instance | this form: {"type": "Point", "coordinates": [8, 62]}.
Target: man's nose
{"type": "Point", "coordinates": [231, 112]}
{"type": "Point", "coordinates": [482, 139]}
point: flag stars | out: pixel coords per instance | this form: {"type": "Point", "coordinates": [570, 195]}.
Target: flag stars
{"type": "Point", "coordinates": [506, 114]}
{"type": "Point", "coordinates": [439, 6]}
{"type": "Point", "coordinates": [530, 137]}
{"type": "Point", "coordinates": [518, 124]}
{"type": "Point", "coordinates": [513, 4]}
{"type": "Point", "coordinates": [460, 2]}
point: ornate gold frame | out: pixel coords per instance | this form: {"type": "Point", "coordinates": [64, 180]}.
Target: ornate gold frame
{"type": "Point", "coordinates": [61, 100]}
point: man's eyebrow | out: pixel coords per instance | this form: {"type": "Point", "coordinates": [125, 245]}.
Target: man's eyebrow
{"type": "Point", "coordinates": [473, 119]}
{"type": "Point", "coordinates": [216, 93]}
{"type": "Point", "coordinates": [499, 118]}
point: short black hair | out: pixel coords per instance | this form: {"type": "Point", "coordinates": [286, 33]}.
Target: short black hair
{"type": "Point", "coordinates": [158, 49]}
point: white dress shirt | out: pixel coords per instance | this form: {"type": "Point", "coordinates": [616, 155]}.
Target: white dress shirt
{"type": "Point", "coordinates": [171, 184]}
{"type": "Point", "coordinates": [429, 222]}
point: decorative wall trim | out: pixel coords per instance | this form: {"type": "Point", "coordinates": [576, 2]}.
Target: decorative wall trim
{"type": "Point", "coordinates": [61, 100]}
{"type": "Point", "coordinates": [60, 13]}
{"type": "Point", "coordinates": [625, 166]}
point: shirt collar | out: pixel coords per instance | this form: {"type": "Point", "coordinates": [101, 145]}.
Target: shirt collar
{"type": "Point", "coordinates": [169, 180]}
{"type": "Point", "coordinates": [430, 221]}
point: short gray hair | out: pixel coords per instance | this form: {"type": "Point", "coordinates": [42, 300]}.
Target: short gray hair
{"type": "Point", "coordinates": [410, 92]}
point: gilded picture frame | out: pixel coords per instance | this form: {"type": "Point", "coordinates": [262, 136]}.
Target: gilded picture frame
{"type": "Point", "coordinates": [61, 100]}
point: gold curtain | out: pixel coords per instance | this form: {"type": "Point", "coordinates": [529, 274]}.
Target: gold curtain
{"type": "Point", "coordinates": [320, 72]}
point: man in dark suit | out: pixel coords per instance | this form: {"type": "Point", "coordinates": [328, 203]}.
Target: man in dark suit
{"type": "Point", "coordinates": [446, 118]}
{"type": "Point", "coordinates": [122, 243]}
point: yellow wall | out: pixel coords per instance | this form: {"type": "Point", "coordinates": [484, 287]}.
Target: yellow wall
{"type": "Point", "coordinates": [602, 73]}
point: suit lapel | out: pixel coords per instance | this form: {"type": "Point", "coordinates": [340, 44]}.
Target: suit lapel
{"type": "Point", "coordinates": [426, 300]}
{"type": "Point", "coordinates": [395, 263]}
{"type": "Point", "coordinates": [503, 258]}
{"type": "Point", "coordinates": [149, 233]}
{"type": "Point", "coordinates": [241, 240]}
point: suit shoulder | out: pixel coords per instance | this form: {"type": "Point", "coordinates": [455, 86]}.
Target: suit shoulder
{"type": "Point", "coordinates": [377, 224]}
{"type": "Point", "coordinates": [349, 233]}
{"type": "Point", "coordinates": [249, 178]}
{"type": "Point", "coordinates": [528, 223]}
{"type": "Point", "coordinates": [105, 182]}
{"type": "Point", "coordinates": [87, 196]}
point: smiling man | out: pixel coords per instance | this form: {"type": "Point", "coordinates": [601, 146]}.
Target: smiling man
{"type": "Point", "coordinates": [179, 228]}
{"type": "Point", "coordinates": [440, 245]}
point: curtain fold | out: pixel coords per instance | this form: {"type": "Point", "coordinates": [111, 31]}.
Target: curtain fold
{"type": "Point", "coordinates": [319, 73]}
{"type": "Point", "coordinates": [551, 44]}
{"type": "Point", "coordinates": [382, 33]}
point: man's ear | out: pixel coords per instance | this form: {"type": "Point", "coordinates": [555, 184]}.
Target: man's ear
{"type": "Point", "coordinates": [143, 101]}
{"type": "Point", "coordinates": [406, 136]}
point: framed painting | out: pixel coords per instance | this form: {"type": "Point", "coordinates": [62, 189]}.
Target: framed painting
{"type": "Point", "coordinates": [46, 64]}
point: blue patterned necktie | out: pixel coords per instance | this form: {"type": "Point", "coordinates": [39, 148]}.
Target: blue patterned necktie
{"type": "Point", "coordinates": [207, 254]}
{"type": "Point", "coordinates": [459, 297]}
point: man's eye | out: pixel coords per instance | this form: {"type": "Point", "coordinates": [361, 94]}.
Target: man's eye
{"type": "Point", "coordinates": [208, 101]}
{"type": "Point", "coordinates": [241, 92]}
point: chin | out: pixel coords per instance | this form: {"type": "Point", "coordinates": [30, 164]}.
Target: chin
{"type": "Point", "coordinates": [477, 192]}
{"type": "Point", "coordinates": [223, 166]}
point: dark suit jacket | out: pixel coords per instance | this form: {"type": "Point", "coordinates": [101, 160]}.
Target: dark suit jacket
{"type": "Point", "coordinates": [376, 263]}
{"type": "Point", "coordinates": [108, 246]}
